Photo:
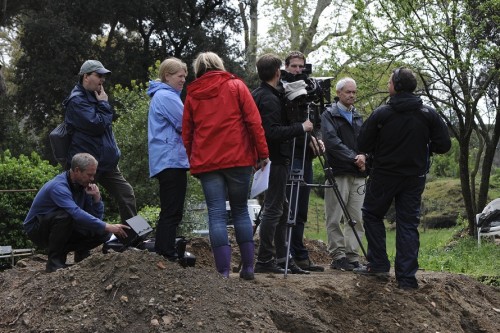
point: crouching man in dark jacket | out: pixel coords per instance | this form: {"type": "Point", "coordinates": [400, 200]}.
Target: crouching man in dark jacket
{"type": "Point", "coordinates": [66, 214]}
{"type": "Point", "coordinates": [401, 136]}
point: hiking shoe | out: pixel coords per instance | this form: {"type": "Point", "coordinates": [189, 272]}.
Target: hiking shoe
{"type": "Point", "coordinates": [245, 275]}
{"type": "Point", "coordinates": [81, 254]}
{"type": "Point", "coordinates": [355, 264]}
{"type": "Point", "coordinates": [268, 267]}
{"type": "Point", "coordinates": [308, 265]}
{"type": "Point", "coordinates": [407, 287]}
{"type": "Point", "coordinates": [367, 270]}
{"type": "Point", "coordinates": [341, 264]}
{"type": "Point", "coordinates": [293, 268]}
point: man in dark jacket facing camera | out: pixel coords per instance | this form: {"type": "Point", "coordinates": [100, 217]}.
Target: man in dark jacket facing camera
{"type": "Point", "coordinates": [340, 125]}
{"type": "Point", "coordinates": [401, 136]}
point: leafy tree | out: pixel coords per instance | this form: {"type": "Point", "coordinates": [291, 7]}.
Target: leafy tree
{"type": "Point", "coordinates": [456, 56]}
{"type": "Point", "coordinates": [295, 23]}
{"type": "Point", "coordinates": [57, 36]}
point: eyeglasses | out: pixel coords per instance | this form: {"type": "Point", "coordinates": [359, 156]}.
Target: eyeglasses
{"type": "Point", "coordinates": [295, 66]}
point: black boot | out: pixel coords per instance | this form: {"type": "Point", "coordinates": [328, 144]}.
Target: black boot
{"type": "Point", "coordinates": [81, 254]}
{"type": "Point", "coordinates": [54, 263]}
{"type": "Point", "coordinates": [166, 241]}
{"type": "Point", "coordinates": [61, 228]}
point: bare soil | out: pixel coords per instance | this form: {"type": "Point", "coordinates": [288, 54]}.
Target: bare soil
{"type": "Point", "coordinates": [138, 291]}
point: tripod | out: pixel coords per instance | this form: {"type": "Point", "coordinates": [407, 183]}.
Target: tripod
{"type": "Point", "coordinates": [296, 179]}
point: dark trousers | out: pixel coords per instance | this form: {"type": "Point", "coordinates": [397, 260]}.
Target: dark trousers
{"type": "Point", "coordinates": [173, 184]}
{"type": "Point", "coordinates": [56, 232]}
{"type": "Point", "coordinates": [118, 188]}
{"type": "Point", "coordinates": [406, 192]}
{"type": "Point", "coordinates": [297, 248]}
{"type": "Point", "coordinates": [272, 230]}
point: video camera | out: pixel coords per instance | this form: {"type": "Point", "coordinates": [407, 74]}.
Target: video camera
{"type": "Point", "coordinates": [305, 100]}
{"type": "Point", "coordinates": [318, 89]}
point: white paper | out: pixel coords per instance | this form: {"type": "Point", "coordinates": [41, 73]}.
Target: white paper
{"type": "Point", "coordinates": [260, 181]}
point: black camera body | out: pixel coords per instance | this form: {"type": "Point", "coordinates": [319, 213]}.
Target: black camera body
{"type": "Point", "coordinates": [310, 105]}
{"type": "Point", "coordinates": [318, 89]}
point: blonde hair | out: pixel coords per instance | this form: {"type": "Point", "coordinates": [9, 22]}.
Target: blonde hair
{"type": "Point", "coordinates": [170, 66]}
{"type": "Point", "coordinates": [207, 61]}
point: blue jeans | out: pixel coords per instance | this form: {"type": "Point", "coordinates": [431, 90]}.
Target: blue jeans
{"type": "Point", "coordinates": [233, 182]}
{"type": "Point", "coordinates": [407, 194]}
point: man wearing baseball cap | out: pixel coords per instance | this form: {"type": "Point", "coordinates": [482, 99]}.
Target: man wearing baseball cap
{"type": "Point", "coordinates": [89, 117]}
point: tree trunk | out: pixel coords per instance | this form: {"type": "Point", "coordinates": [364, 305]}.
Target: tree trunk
{"type": "Point", "coordinates": [250, 36]}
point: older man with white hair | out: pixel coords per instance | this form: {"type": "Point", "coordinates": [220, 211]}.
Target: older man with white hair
{"type": "Point", "coordinates": [66, 215]}
{"type": "Point", "coordinates": [340, 126]}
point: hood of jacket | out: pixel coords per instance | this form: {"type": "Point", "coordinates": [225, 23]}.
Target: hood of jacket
{"type": "Point", "coordinates": [155, 86]}
{"type": "Point", "coordinates": [208, 85]}
{"type": "Point", "coordinates": [404, 102]}
{"type": "Point", "coordinates": [79, 90]}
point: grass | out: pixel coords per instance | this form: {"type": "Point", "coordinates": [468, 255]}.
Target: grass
{"type": "Point", "coordinates": [441, 250]}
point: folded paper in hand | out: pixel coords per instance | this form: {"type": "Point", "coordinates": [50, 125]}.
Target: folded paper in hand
{"type": "Point", "coordinates": [260, 181]}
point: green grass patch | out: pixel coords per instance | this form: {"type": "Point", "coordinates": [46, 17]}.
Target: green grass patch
{"type": "Point", "coordinates": [441, 250]}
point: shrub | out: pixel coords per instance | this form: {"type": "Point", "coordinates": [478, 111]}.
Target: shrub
{"type": "Point", "coordinates": [23, 173]}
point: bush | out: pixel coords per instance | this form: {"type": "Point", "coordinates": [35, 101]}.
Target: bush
{"type": "Point", "coordinates": [23, 173]}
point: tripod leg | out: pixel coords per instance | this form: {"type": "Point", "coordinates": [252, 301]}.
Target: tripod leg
{"type": "Point", "coordinates": [288, 237]}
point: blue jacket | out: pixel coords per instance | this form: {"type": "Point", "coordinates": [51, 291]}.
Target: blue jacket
{"type": "Point", "coordinates": [166, 149]}
{"type": "Point", "coordinates": [57, 194]}
{"type": "Point", "coordinates": [90, 122]}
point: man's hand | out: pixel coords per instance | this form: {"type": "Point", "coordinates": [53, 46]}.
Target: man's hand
{"type": "Point", "coordinates": [100, 94]}
{"type": "Point", "coordinates": [93, 190]}
{"type": "Point", "coordinates": [317, 146]}
{"type": "Point", "coordinates": [307, 126]}
{"type": "Point", "coordinates": [360, 161]}
{"type": "Point", "coordinates": [117, 229]}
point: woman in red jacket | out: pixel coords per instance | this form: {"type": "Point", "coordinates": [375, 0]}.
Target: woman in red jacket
{"type": "Point", "coordinates": [223, 135]}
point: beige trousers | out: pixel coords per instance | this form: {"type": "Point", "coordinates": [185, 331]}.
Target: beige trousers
{"type": "Point", "coordinates": [342, 241]}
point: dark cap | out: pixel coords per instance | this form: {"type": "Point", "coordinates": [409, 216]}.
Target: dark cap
{"type": "Point", "coordinates": [90, 66]}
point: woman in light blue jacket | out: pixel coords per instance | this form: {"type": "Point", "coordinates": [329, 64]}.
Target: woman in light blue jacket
{"type": "Point", "coordinates": [168, 161]}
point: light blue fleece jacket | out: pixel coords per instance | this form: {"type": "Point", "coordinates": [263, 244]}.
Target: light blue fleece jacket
{"type": "Point", "coordinates": [165, 146]}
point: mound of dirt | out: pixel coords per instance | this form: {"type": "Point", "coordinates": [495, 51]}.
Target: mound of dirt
{"type": "Point", "coordinates": [138, 291]}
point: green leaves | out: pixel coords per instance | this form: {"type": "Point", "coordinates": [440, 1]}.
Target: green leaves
{"type": "Point", "coordinates": [20, 180]}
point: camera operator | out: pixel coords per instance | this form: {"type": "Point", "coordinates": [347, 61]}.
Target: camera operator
{"type": "Point", "coordinates": [294, 64]}
{"type": "Point", "coordinates": [401, 136]}
{"type": "Point", "coordinates": [340, 125]}
{"type": "Point", "coordinates": [279, 133]}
